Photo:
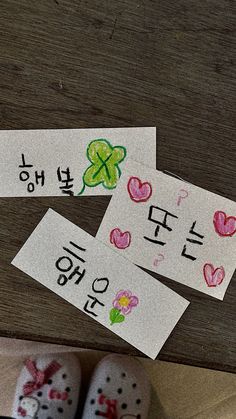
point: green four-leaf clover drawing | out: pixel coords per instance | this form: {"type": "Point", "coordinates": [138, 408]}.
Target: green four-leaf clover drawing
{"type": "Point", "coordinates": [104, 168]}
{"type": "Point", "coordinates": [116, 316]}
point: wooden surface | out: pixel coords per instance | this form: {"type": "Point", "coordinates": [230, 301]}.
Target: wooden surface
{"type": "Point", "coordinates": [99, 63]}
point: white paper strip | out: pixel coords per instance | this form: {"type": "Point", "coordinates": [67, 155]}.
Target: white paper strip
{"type": "Point", "coordinates": [101, 283]}
{"type": "Point", "coordinates": [70, 161]}
{"type": "Point", "coordinates": [172, 227]}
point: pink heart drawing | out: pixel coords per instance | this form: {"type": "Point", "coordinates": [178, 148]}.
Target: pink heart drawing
{"type": "Point", "coordinates": [224, 226]}
{"type": "Point", "coordinates": [213, 276]}
{"type": "Point", "coordinates": [139, 191]}
{"type": "Point", "coordinates": [119, 239]}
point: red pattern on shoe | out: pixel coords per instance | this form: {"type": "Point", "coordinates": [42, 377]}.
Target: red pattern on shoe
{"type": "Point", "coordinates": [111, 405]}
{"type": "Point", "coordinates": [54, 394]}
{"type": "Point", "coordinates": [22, 412]}
{"type": "Point", "coordinates": [40, 378]}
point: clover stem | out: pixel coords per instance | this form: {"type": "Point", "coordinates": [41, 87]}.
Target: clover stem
{"type": "Point", "coordinates": [82, 190]}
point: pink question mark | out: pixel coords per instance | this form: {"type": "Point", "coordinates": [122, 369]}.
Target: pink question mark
{"type": "Point", "coordinates": [159, 259]}
{"type": "Point", "coordinates": [182, 195]}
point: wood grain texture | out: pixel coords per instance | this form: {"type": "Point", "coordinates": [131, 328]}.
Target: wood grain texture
{"type": "Point", "coordinates": [99, 63]}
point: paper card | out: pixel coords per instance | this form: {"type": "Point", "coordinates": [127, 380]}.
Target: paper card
{"type": "Point", "coordinates": [70, 161]}
{"type": "Point", "coordinates": [101, 283]}
{"type": "Point", "coordinates": [172, 227]}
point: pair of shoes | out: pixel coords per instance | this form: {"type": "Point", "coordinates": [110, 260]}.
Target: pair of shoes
{"type": "Point", "coordinates": [49, 388]}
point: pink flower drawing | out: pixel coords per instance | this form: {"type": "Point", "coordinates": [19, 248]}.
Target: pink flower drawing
{"type": "Point", "coordinates": [125, 301]}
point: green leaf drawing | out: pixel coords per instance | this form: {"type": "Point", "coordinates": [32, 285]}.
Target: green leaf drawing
{"type": "Point", "coordinates": [105, 161]}
{"type": "Point", "coordinates": [115, 316]}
